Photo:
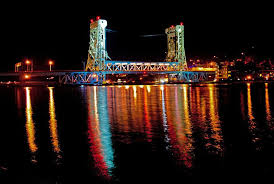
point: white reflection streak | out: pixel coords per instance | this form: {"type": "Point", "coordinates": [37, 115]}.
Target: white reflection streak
{"type": "Point", "coordinates": [165, 125]}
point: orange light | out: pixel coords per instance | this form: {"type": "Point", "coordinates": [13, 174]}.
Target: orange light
{"type": "Point", "coordinates": [249, 77]}
{"type": "Point", "coordinates": [27, 76]}
{"type": "Point", "coordinates": [28, 62]}
{"type": "Point", "coordinates": [50, 62]}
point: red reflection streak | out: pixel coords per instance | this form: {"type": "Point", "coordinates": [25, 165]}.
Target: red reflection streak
{"type": "Point", "coordinates": [120, 114]}
{"type": "Point", "coordinates": [180, 131]}
{"type": "Point", "coordinates": [94, 135]}
{"type": "Point", "coordinates": [146, 117]}
{"type": "Point", "coordinates": [195, 108]}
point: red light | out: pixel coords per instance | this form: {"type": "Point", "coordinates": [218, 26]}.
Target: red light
{"type": "Point", "coordinates": [98, 17]}
{"type": "Point", "coordinates": [91, 20]}
{"type": "Point", "coordinates": [181, 23]}
{"type": "Point", "coordinates": [172, 26]}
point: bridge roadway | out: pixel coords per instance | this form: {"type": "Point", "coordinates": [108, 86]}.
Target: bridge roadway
{"type": "Point", "coordinates": [114, 67]}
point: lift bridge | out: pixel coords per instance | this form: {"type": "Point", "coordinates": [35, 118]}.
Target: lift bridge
{"type": "Point", "coordinates": [99, 64]}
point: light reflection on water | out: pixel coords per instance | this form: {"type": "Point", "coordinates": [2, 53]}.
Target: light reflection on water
{"type": "Point", "coordinates": [179, 126]}
{"type": "Point", "coordinates": [99, 131]}
{"type": "Point", "coordinates": [53, 124]}
{"type": "Point", "coordinates": [217, 142]}
{"type": "Point", "coordinates": [186, 118]}
{"type": "Point", "coordinates": [267, 106]}
{"type": "Point", "coordinates": [252, 123]}
{"type": "Point", "coordinates": [30, 125]}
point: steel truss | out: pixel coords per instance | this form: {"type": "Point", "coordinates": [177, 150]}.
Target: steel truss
{"type": "Point", "coordinates": [192, 76]}
{"type": "Point", "coordinates": [139, 66]}
{"type": "Point", "coordinates": [93, 78]}
{"type": "Point", "coordinates": [82, 78]}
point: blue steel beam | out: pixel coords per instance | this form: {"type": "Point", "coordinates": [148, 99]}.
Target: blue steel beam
{"type": "Point", "coordinates": [90, 78]}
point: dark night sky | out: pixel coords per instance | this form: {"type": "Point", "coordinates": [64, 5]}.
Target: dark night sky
{"type": "Point", "coordinates": [43, 33]}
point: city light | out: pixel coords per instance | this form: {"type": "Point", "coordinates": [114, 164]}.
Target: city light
{"type": "Point", "coordinates": [50, 64]}
{"type": "Point", "coordinates": [27, 76]}
{"type": "Point", "coordinates": [249, 77]}
{"type": "Point", "coordinates": [28, 62]}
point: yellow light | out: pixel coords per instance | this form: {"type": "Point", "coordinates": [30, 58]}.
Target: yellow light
{"type": "Point", "coordinates": [148, 89]}
{"type": "Point", "coordinates": [28, 62]}
{"type": "Point", "coordinates": [27, 76]}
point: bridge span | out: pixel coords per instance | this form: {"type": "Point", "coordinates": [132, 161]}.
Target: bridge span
{"type": "Point", "coordinates": [100, 69]}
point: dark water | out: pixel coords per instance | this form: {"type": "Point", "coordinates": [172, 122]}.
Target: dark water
{"type": "Point", "coordinates": [137, 134]}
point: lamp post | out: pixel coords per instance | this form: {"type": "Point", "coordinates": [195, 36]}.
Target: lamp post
{"type": "Point", "coordinates": [28, 62]}
{"type": "Point", "coordinates": [50, 64]}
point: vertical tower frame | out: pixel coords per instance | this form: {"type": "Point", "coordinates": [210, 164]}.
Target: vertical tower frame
{"type": "Point", "coordinates": [97, 53]}
{"type": "Point", "coordinates": [176, 47]}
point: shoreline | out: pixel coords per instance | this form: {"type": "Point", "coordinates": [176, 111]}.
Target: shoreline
{"type": "Point", "coordinates": [54, 84]}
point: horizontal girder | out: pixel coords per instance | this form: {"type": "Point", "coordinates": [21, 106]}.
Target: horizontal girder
{"type": "Point", "coordinates": [141, 66]}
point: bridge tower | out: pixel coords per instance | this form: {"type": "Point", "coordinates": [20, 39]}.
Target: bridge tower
{"type": "Point", "coordinates": [97, 53]}
{"type": "Point", "coordinates": [176, 48]}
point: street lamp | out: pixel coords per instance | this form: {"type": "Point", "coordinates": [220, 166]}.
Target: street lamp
{"type": "Point", "coordinates": [50, 64]}
{"type": "Point", "coordinates": [28, 62]}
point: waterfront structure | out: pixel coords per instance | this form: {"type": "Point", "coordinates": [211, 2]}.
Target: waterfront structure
{"type": "Point", "coordinates": [99, 64]}
{"type": "Point", "coordinates": [176, 47]}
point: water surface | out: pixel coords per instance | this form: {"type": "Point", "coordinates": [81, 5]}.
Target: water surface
{"type": "Point", "coordinates": [143, 134]}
